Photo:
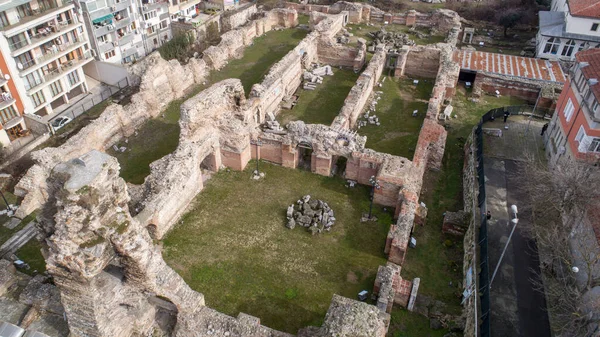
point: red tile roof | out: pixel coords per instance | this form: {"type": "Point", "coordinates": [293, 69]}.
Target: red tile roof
{"type": "Point", "coordinates": [591, 56]}
{"type": "Point", "coordinates": [525, 67]}
{"type": "Point", "coordinates": [587, 8]}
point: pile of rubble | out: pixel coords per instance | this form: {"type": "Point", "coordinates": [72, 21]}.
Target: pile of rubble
{"type": "Point", "coordinates": [313, 214]}
{"type": "Point", "coordinates": [393, 40]}
{"type": "Point", "coordinates": [314, 77]}
{"type": "Point", "coordinates": [369, 116]}
{"type": "Point", "coordinates": [345, 37]}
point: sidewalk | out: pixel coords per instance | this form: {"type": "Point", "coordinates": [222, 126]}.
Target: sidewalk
{"type": "Point", "coordinates": [517, 308]}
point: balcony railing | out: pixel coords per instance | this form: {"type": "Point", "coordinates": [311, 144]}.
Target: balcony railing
{"type": "Point", "coordinates": [52, 32]}
{"type": "Point", "coordinates": [61, 70]}
{"type": "Point", "coordinates": [50, 54]}
{"type": "Point", "coordinates": [37, 13]}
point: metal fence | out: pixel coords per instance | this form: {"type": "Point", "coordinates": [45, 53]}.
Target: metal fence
{"type": "Point", "coordinates": [92, 100]}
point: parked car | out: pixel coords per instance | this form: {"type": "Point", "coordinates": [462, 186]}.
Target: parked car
{"type": "Point", "coordinates": [60, 122]}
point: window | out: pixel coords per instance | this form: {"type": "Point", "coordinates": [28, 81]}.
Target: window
{"type": "Point", "coordinates": [38, 98]}
{"type": "Point", "coordinates": [580, 134]}
{"type": "Point", "coordinates": [552, 46]}
{"type": "Point", "coordinates": [569, 109]}
{"type": "Point", "coordinates": [73, 77]}
{"type": "Point", "coordinates": [594, 145]}
{"type": "Point", "coordinates": [7, 114]}
{"type": "Point", "coordinates": [163, 24]}
{"type": "Point", "coordinates": [32, 80]}
{"type": "Point", "coordinates": [4, 20]}
{"type": "Point", "coordinates": [94, 5]}
{"type": "Point", "coordinates": [150, 15]}
{"type": "Point", "coordinates": [595, 106]}
{"type": "Point", "coordinates": [24, 10]}
{"type": "Point", "coordinates": [568, 48]}
{"type": "Point", "coordinates": [16, 42]}
{"type": "Point", "coordinates": [109, 54]}
{"type": "Point", "coordinates": [25, 60]}
{"type": "Point", "coordinates": [151, 29]}
{"type": "Point", "coordinates": [55, 88]}
{"type": "Point", "coordinates": [594, 27]}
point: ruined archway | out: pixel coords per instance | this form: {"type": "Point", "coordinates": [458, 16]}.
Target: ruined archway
{"type": "Point", "coordinates": [305, 151]}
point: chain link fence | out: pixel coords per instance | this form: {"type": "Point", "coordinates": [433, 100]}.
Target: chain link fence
{"type": "Point", "coordinates": [89, 102]}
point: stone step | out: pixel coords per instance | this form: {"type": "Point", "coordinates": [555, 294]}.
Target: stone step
{"type": "Point", "coordinates": [18, 240]}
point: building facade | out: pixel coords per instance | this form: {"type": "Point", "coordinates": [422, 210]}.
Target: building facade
{"type": "Point", "coordinates": [43, 47]}
{"type": "Point", "coordinates": [574, 132]}
{"type": "Point", "coordinates": [156, 23]}
{"type": "Point", "coordinates": [115, 29]}
{"type": "Point", "coordinates": [571, 26]}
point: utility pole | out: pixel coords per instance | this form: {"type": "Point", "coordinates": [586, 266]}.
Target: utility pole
{"type": "Point", "coordinates": [515, 221]}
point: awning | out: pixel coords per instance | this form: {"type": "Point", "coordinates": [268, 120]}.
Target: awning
{"type": "Point", "coordinates": [13, 122]}
{"type": "Point", "coordinates": [103, 18]}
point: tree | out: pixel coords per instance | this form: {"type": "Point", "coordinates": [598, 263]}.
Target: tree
{"type": "Point", "coordinates": [509, 18]}
{"type": "Point", "coordinates": [561, 200]}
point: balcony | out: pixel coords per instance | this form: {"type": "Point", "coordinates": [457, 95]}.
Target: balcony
{"type": "Point", "coordinates": [58, 50]}
{"type": "Point", "coordinates": [106, 46]}
{"type": "Point", "coordinates": [127, 38]}
{"type": "Point", "coordinates": [6, 101]}
{"type": "Point", "coordinates": [63, 69]}
{"type": "Point", "coordinates": [103, 30]}
{"type": "Point", "coordinates": [124, 22]}
{"type": "Point", "coordinates": [43, 37]}
{"type": "Point", "coordinates": [37, 17]}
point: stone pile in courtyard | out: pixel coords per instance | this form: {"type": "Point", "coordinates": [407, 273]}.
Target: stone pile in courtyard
{"type": "Point", "coordinates": [393, 40]}
{"type": "Point", "coordinates": [314, 77]}
{"type": "Point", "coordinates": [313, 214]}
{"type": "Point", "coordinates": [369, 116]}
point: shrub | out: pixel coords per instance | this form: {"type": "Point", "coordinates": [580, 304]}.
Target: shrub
{"type": "Point", "coordinates": [176, 48]}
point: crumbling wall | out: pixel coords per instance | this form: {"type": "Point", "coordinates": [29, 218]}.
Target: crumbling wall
{"type": "Point", "coordinates": [517, 87]}
{"type": "Point", "coordinates": [236, 18]}
{"type": "Point", "coordinates": [176, 179]}
{"type": "Point", "coordinates": [160, 82]}
{"type": "Point", "coordinates": [358, 96]}
{"type": "Point", "coordinates": [101, 259]}
{"type": "Point", "coordinates": [423, 62]}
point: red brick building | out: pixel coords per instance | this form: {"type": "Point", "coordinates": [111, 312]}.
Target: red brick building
{"type": "Point", "coordinates": [574, 132]}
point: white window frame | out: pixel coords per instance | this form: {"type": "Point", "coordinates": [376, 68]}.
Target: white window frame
{"type": "Point", "coordinates": [568, 110]}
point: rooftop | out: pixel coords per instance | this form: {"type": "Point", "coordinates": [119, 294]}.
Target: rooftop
{"type": "Point", "coordinates": [510, 65]}
{"type": "Point", "coordinates": [592, 57]}
{"type": "Point", "coordinates": [586, 8]}
{"type": "Point", "coordinates": [553, 24]}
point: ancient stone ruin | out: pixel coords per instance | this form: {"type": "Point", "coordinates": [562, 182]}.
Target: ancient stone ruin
{"type": "Point", "coordinates": [98, 232]}
{"type": "Point", "coordinates": [313, 214]}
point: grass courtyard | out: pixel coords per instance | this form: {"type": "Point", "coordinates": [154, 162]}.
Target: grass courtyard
{"type": "Point", "coordinates": [399, 130]}
{"type": "Point", "coordinates": [322, 105]}
{"type": "Point", "coordinates": [235, 249]}
{"type": "Point", "coordinates": [160, 136]}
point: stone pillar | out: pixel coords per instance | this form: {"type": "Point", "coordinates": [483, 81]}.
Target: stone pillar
{"type": "Point", "coordinates": [289, 156]}
{"type": "Point", "coordinates": [213, 160]}
{"type": "Point", "coordinates": [388, 17]}
{"type": "Point", "coordinates": [321, 164]}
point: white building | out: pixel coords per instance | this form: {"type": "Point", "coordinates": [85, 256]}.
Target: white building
{"type": "Point", "coordinates": [43, 46]}
{"type": "Point", "coordinates": [570, 26]}
{"type": "Point", "coordinates": [115, 29]}
{"type": "Point", "coordinates": [156, 21]}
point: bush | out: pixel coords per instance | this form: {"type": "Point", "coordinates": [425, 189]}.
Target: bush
{"type": "Point", "coordinates": [176, 48]}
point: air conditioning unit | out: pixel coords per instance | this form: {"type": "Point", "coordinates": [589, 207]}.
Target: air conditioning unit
{"type": "Point", "coordinates": [115, 43]}
{"type": "Point", "coordinates": [113, 8]}
{"type": "Point", "coordinates": [145, 7]}
{"type": "Point", "coordinates": [110, 27]}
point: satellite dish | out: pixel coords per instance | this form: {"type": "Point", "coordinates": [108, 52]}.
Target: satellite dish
{"type": "Point", "coordinates": [575, 269]}
{"type": "Point", "coordinates": [20, 66]}
{"type": "Point", "coordinates": [7, 77]}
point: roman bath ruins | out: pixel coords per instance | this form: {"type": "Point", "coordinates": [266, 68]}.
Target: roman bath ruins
{"type": "Point", "coordinates": [102, 236]}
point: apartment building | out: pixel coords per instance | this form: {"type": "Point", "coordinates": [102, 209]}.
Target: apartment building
{"type": "Point", "coordinates": [184, 9]}
{"type": "Point", "coordinates": [12, 124]}
{"type": "Point", "coordinates": [43, 47]}
{"type": "Point", "coordinates": [569, 27]}
{"type": "Point", "coordinates": [574, 132]}
{"type": "Point", "coordinates": [156, 23]}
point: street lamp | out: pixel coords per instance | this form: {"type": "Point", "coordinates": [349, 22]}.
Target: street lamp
{"type": "Point", "coordinates": [258, 143]}
{"type": "Point", "coordinates": [374, 185]}
{"type": "Point", "coordinates": [515, 221]}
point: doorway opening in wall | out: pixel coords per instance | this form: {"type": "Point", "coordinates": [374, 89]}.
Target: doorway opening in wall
{"type": "Point", "coordinates": [467, 77]}
{"type": "Point", "coordinates": [339, 168]}
{"type": "Point", "coordinates": [305, 151]}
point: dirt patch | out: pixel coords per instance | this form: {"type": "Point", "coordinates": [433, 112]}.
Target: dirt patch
{"type": "Point", "coordinates": [393, 135]}
{"type": "Point", "coordinates": [351, 277]}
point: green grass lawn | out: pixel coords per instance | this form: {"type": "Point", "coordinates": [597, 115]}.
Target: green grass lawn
{"type": "Point", "coordinates": [31, 253]}
{"type": "Point", "coordinates": [399, 130]}
{"type": "Point", "coordinates": [160, 136]}
{"type": "Point", "coordinates": [410, 324]}
{"type": "Point", "coordinates": [234, 247]}
{"type": "Point", "coordinates": [322, 105]}
{"type": "Point", "coordinates": [362, 30]}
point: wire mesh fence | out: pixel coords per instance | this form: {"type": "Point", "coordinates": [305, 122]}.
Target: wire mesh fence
{"type": "Point", "coordinates": [87, 103]}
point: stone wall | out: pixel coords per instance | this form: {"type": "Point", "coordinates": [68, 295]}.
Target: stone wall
{"type": "Point", "coordinates": [360, 93]}
{"type": "Point", "coordinates": [470, 270]}
{"type": "Point", "coordinates": [160, 82]}
{"type": "Point", "coordinates": [239, 17]}
{"type": "Point", "coordinates": [517, 87]}
{"type": "Point", "coordinates": [423, 62]}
